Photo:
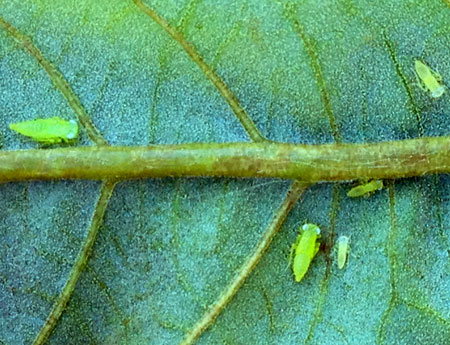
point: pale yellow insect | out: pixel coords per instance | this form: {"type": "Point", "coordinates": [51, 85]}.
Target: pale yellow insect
{"type": "Point", "coordinates": [428, 79]}
{"type": "Point", "coordinates": [343, 243]}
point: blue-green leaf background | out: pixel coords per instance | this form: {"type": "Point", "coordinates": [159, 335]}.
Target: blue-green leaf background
{"type": "Point", "coordinates": [168, 247]}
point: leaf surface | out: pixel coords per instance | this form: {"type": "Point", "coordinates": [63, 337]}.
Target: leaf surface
{"type": "Point", "coordinates": [304, 72]}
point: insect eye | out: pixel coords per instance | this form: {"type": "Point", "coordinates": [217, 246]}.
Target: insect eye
{"type": "Point", "coordinates": [307, 227]}
{"type": "Point", "coordinates": [71, 135]}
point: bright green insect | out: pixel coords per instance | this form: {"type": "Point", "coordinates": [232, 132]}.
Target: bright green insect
{"type": "Point", "coordinates": [47, 131]}
{"type": "Point", "coordinates": [366, 188]}
{"type": "Point", "coordinates": [343, 243]}
{"type": "Point", "coordinates": [429, 80]}
{"type": "Point", "coordinates": [304, 249]}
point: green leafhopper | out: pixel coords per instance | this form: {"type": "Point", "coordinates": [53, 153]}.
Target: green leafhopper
{"type": "Point", "coordinates": [47, 131]}
{"type": "Point", "coordinates": [304, 249]}
{"type": "Point", "coordinates": [366, 188]}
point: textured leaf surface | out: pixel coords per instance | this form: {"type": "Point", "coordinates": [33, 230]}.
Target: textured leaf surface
{"type": "Point", "coordinates": [304, 71]}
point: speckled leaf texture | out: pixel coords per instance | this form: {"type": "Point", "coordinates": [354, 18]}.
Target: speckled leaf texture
{"type": "Point", "coordinates": [305, 72]}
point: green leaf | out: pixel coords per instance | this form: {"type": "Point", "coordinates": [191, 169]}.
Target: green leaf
{"type": "Point", "coordinates": [304, 72]}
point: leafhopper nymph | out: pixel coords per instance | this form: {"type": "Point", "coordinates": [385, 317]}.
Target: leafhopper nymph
{"type": "Point", "coordinates": [428, 79]}
{"type": "Point", "coordinates": [304, 249]}
{"type": "Point", "coordinates": [47, 131]}
{"type": "Point", "coordinates": [365, 189]}
{"type": "Point", "coordinates": [343, 243]}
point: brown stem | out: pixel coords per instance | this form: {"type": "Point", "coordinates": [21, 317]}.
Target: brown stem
{"type": "Point", "coordinates": [309, 163]}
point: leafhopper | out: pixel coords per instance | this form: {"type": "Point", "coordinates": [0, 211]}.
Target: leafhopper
{"type": "Point", "coordinates": [365, 189]}
{"type": "Point", "coordinates": [304, 249]}
{"type": "Point", "coordinates": [47, 131]}
{"type": "Point", "coordinates": [343, 243]}
{"type": "Point", "coordinates": [428, 79]}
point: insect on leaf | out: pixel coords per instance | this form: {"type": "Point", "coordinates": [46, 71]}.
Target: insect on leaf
{"type": "Point", "coordinates": [47, 131]}
{"type": "Point", "coordinates": [343, 243]}
{"type": "Point", "coordinates": [364, 189]}
{"type": "Point", "coordinates": [428, 79]}
{"type": "Point", "coordinates": [304, 249]}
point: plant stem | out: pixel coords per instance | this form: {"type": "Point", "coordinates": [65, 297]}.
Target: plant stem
{"type": "Point", "coordinates": [309, 163]}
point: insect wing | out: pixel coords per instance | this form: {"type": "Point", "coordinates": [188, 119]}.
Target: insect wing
{"type": "Point", "coordinates": [300, 266]}
{"type": "Point", "coordinates": [422, 70]}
